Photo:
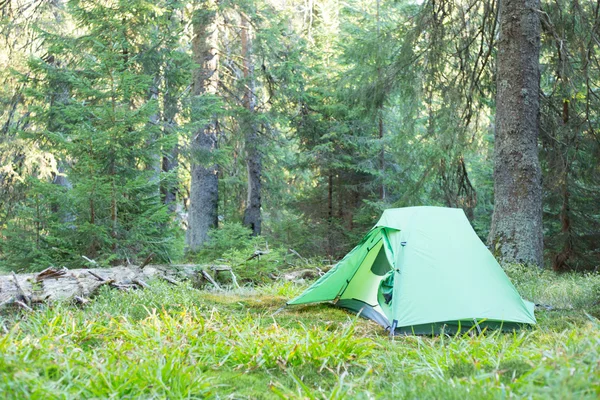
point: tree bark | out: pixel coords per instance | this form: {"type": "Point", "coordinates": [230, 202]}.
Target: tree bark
{"type": "Point", "coordinates": [516, 231]}
{"type": "Point", "coordinates": [381, 155]}
{"type": "Point", "coordinates": [204, 192]}
{"type": "Point", "coordinates": [330, 214]}
{"type": "Point", "coordinates": [61, 95]}
{"type": "Point", "coordinates": [380, 110]}
{"type": "Point", "coordinates": [170, 106]}
{"type": "Point", "coordinates": [252, 215]}
{"type": "Point", "coordinates": [63, 284]}
{"type": "Point", "coordinates": [170, 160]}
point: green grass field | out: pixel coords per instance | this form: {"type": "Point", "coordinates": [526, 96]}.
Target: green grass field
{"type": "Point", "coordinates": [179, 342]}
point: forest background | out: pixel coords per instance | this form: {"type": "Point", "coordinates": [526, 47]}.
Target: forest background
{"type": "Point", "coordinates": [131, 129]}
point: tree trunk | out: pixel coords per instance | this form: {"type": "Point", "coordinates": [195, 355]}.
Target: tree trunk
{"type": "Point", "coordinates": [381, 155]}
{"type": "Point", "coordinates": [330, 214]}
{"type": "Point", "coordinates": [64, 284]}
{"type": "Point", "coordinates": [61, 179]}
{"type": "Point", "coordinates": [204, 194]}
{"type": "Point", "coordinates": [516, 231]}
{"type": "Point", "coordinates": [562, 260]}
{"type": "Point", "coordinates": [170, 159]}
{"type": "Point", "coordinates": [380, 110]}
{"type": "Point", "coordinates": [252, 217]}
{"type": "Point", "coordinates": [61, 95]}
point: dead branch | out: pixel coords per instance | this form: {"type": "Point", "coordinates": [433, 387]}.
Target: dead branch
{"type": "Point", "coordinates": [147, 260]}
{"type": "Point", "coordinates": [171, 281]}
{"type": "Point", "coordinates": [141, 283]}
{"type": "Point", "coordinates": [95, 275]}
{"type": "Point", "coordinates": [224, 268]}
{"type": "Point", "coordinates": [51, 273]}
{"type": "Point", "coordinates": [257, 254]}
{"type": "Point", "coordinates": [294, 252]}
{"type": "Point", "coordinates": [23, 305]}
{"type": "Point", "coordinates": [81, 300]}
{"type": "Point", "coordinates": [209, 278]}
{"type": "Point", "coordinates": [20, 291]}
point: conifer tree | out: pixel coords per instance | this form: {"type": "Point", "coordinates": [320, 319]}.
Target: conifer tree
{"type": "Point", "coordinates": [569, 136]}
{"type": "Point", "coordinates": [301, 120]}
{"type": "Point", "coordinates": [204, 171]}
{"type": "Point", "coordinates": [252, 213]}
{"type": "Point", "coordinates": [101, 129]}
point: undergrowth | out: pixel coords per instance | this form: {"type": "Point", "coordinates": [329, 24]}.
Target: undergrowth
{"type": "Point", "coordinates": [253, 259]}
{"type": "Point", "coordinates": [178, 342]}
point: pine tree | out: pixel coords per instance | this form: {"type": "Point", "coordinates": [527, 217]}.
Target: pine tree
{"type": "Point", "coordinates": [102, 130]}
{"type": "Point", "coordinates": [204, 172]}
{"type": "Point", "coordinates": [252, 213]}
{"type": "Point", "coordinates": [569, 135]}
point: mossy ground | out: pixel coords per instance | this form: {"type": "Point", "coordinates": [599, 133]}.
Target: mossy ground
{"type": "Point", "coordinates": [179, 342]}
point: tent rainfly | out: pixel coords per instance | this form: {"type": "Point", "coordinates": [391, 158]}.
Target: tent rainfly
{"type": "Point", "coordinates": [423, 270]}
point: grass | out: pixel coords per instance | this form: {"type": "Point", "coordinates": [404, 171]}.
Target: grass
{"type": "Point", "coordinates": [178, 342]}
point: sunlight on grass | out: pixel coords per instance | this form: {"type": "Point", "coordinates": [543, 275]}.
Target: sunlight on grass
{"type": "Point", "coordinates": [178, 342]}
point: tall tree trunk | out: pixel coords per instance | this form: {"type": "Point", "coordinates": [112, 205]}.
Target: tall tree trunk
{"type": "Point", "coordinates": [204, 194]}
{"type": "Point", "coordinates": [252, 217]}
{"type": "Point", "coordinates": [516, 230]}
{"type": "Point", "coordinates": [561, 261]}
{"type": "Point", "coordinates": [170, 159]}
{"type": "Point", "coordinates": [381, 155]}
{"type": "Point", "coordinates": [330, 214]}
{"type": "Point", "coordinates": [380, 109]}
{"type": "Point", "coordinates": [60, 98]}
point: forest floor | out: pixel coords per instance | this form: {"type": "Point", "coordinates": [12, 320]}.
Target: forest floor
{"type": "Point", "coordinates": [179, 342]}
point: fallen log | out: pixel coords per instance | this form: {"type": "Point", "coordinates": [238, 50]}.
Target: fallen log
{"type": "Point", "coordinates": [53, 284]}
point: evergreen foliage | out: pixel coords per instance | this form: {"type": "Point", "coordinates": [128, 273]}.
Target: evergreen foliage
{"type": "Point", "coordinates": [569, 134]}
{"type": "Point", "coordinates": [324, 114]}
{"type": "Point", "coordinates": [357, 107]}
{"type": "Point", "coordinates": [91, 94]}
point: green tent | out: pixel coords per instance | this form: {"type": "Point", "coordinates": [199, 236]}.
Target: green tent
{"type": "Point", "coordinates": [423, 270]}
